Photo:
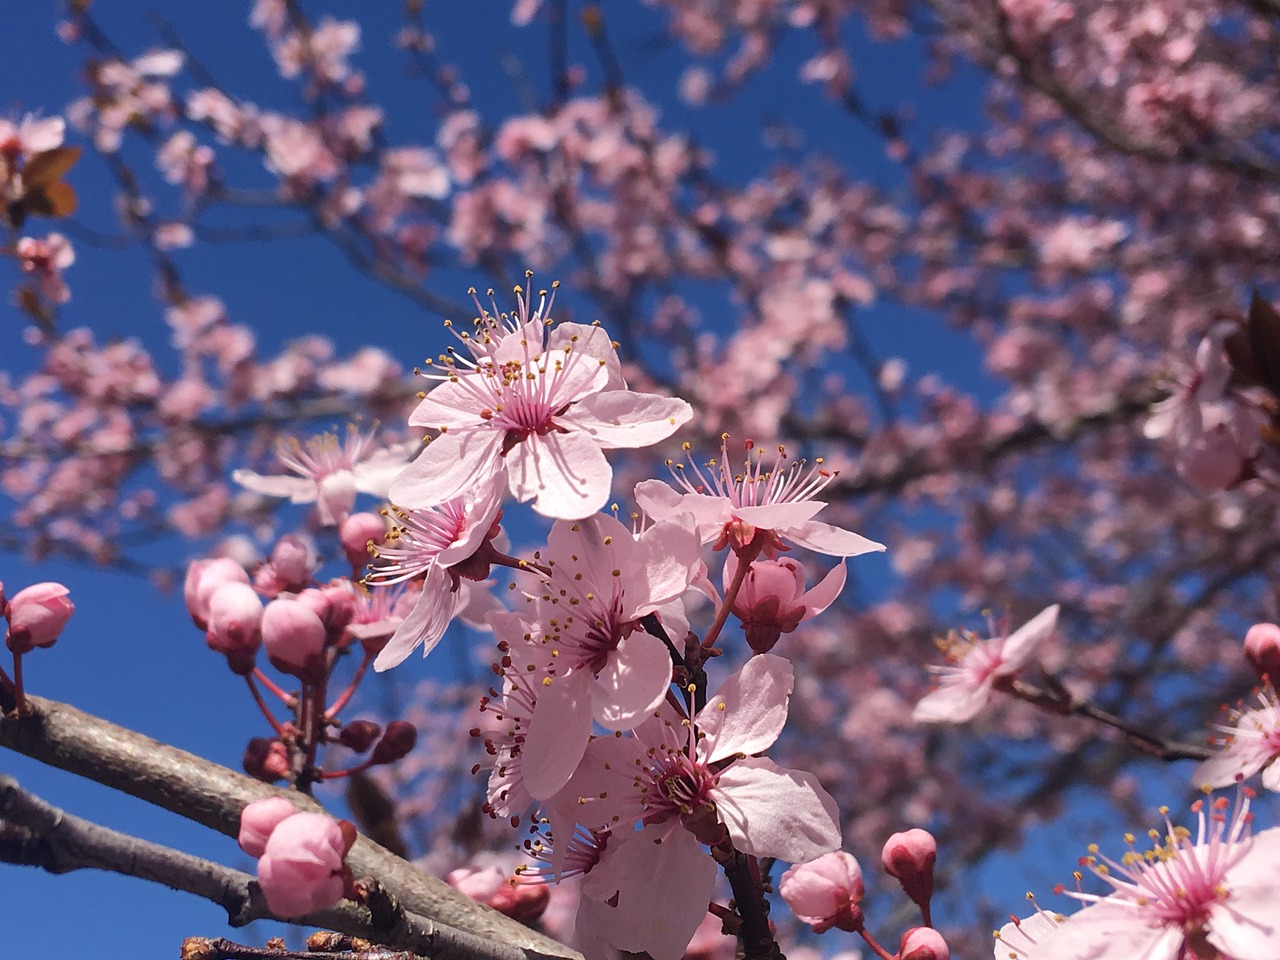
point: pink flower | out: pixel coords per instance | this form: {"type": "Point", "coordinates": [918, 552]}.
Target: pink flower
{"type": "Point", "coordinates": [329, 473]}
{"type": "Point", "coordinates": [825, 892]}
{"type": "Point", "coordinates": [923, 943]}
{"type": "Point", "coordinates": [28, 138]}
{"type": "Point", "coordinates": [45, 260]}
{"type": "Point", "coordinates": [430, 542]}
{"type": "Point", "coordinates": [36, 616]}
{"type": "Point", "coordinates": [293, 635]}
{"type": "Point", "coordinates": [539, 406]}
{"type": "Point", "coordinates": [773, 601]}
{"type": "Point", "coordinates": [302, 868]}
{"type": "Point", "coordinates": [965, 686]}
{"type": "Point", "coordinates": [258, 819]}
{"type": "Point", "coordinates": [731, 508]}
{"type": "Point", "coordinates": [1214, 893]}
{"type": "Point", "coordinates": [704, 775]}
{"type": "Point", "coordinates": [203, 577]}
{"type": "Point", "coordinates": [1262, 649]}
{"type": "Point", "coordinates": [1251, 742]}
{"type": "Point", "coordinates": [595, 661]}
{"type": "Point", "coordinates": [909, 857]}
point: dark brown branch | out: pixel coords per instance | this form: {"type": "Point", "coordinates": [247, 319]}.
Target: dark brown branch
{"type": "Point", "coordinates": [64, 737]}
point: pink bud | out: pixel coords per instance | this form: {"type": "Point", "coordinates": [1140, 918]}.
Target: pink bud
{"type": "Point", "coordinates": [293, 562]}
{"type": "Point", "coordinates": [203, 577]}
{"type": "Point", "coordinates": [923, 943]}
{"type": "Point", "coordinates": [36, 616]}
{"type": "Point", "coordinates": [504, 892]}
{"type": "Point", "coordinates": [266, 759]}
{"type": "Point", "coordinates": [909, 858]}
{"type": "Point", "coordinates": [302, 868]}
{"type": "Point", "coordinates": [825, 892]}
{"type": "Point", "coordinates": [400, 738]}
{"type": "Point", "coordinates": [235, 620]}
{"type": "Point", "coordinates": [293, 635]}
{"type": "Point", "coordinates": [1262, 647]}
{"type": "Point", "coordinates": [770, 602]}
{"type": "Point", "coordinates": [356, 531]}
{"type": "Point", "coordinates": [258, 819]}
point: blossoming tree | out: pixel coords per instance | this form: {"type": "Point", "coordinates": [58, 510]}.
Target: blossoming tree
{"type": "Point", "coordinates": [1028, 346]}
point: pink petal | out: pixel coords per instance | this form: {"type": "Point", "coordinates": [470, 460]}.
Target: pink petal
{"type": "Point", "coordinates": [297, 489]}
{"type": "Point", "coordinates": [564, 474]}
{"type": "Point", "coordinates": [660, 501]}
{"type": "Point", "coordinates": [826, 592]}
{"type": "Point", "coordinates": [670, 555]}
{"type": "Point", "coordinates": [425, 624]}
{"type": "Point", "coordinates": [626, 419]}
{"type": "Point", "coordinates": [451, 404]}
{"type": "Point", "coordinates": [450, 465]}
{"type": "Point", "coordinates": [480, 504]}
{"type": "Point", "coordinates": [374, 476]}
{"type": "Point", "coordinates": [1271, 777]}
{"type": "Point", "coordinates": [1107, 931]}
{"type": "Point", "coordinates": [955, 702]}
{"type": "Point", "coordinates": [771, 811]}
{"type": "Point", "coordinates": [1246, 926]}
{"type": "Point", "coordinates": [632, 684]}
{"type": "Point", "coordinates": [823, 538]}
{"type": "Point", "coordinates": [592, 341]}
{"type": "Point", "coordinates": [1024, 641]}
{"type": "Point", "coordinates": [1220, 770]}
{"type": "Point", "coordinates": [749, 710]}
{"type": "Point", "coordinates": [779, 516]}
{"type": "Point", "coordinates": [558, 733]}
{"type": "Point", "coordinates": [661, 917]}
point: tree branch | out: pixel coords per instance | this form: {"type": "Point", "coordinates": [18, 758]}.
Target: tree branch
{"type": "Point", "coordinates": [69, 739]}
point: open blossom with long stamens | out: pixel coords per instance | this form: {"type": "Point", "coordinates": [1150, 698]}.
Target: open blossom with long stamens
{"type": "Point", "coordinates": [595, 661]}
{"type": "Point", "coordinates": [329, 472]}
{"type": "Point", "coordinates": [1251, 742]}
{"type": "Point", "coordinates": [730, 507]}
{"type": "Point", "coordinates": [539, 405]}
{"type": "Point", "coordinates": [702, 774]}
{"type": "Point", "coordinates": [965, 686]}
{"type": "Point", "coordinates": [429, 543]}
{"type": "Point", "coordinates": [1213, 896]}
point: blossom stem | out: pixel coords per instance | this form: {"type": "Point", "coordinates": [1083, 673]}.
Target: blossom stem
{"type": "Point", "coordinates": [347, 694]}
{"type": "Point", "coordinates": [871, 942]}
{"type": "Point", "coordinates": [730, 595]}
{"type": "Point", "coordinates": [271, 685]}
{"type": "Point", "coordinates": [748, 896]}
{"type": "Point", "coordinates": [20, 698]}
{"type": "Point", "coordinates": [262, 704]}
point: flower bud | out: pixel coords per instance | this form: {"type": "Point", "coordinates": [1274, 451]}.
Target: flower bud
{"type": "Point", "coordinates": [266, 759]}
{"type": "Point", "coordinates": [359, 735]}
{"type": "Point", "coordinates": [302, 868]}
{"type": "Point", "coordinates": [923, 943]}
{"type": "Point", "coordinates": [203, 578]}
{"type": "Point", "coordinates": [400, 738]}
{"type": "Point", "coordinates": [495, 887]}
{"type": "Point", "coordinates": [1262, 647]}
{"type": "Point", "coordinates": [770, 603]}
{"type": "Point", "coordinates": [909, 857]}
{"type": "Point", "coordinates": [825, 892]}
{"type": "Point", "coordinates": [292, 561]}
{"type": "Point", "coordinates": [258, 819]}
{"type": "Point", "coordinates": [36, 616]}
{"type": "Point", "coordinates": [293, 635]}
{"type": "Point", "coordinates": [355, 532]}
{"type": "Point", "coordinates": [235, 622]}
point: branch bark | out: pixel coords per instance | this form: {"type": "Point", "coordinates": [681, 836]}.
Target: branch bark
{"type": "Point", "coordinates": [207, 793]}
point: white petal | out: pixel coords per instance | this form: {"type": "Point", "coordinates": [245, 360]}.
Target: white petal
{"type": "Point", "coordinates": [564, 474]}
{"type": "Point", "coordinates": [633, 682]}
{"type": "Point", "coordinates": [450, 465]}
{"type": "Point", "coordinates": [749, 710]}
{"type": "Point", "coordinates": [558, 733]}
{"type": "Point", "coordinates": [833, 541]}
{"type": "Point", "coordinates": [771, 811]}
{"type": "Point", "coordinates": [426, 623]}
{"type": "Point", "coordinates": [626, 419]}
{"type": "Point", "coordinates": [297, 489]}
{"type": "Point", "coordinates": [1024, 641]}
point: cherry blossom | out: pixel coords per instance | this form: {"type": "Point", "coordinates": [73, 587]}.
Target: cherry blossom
{"type": "Point", "coordinates": [773, 599]}
{"type": "Point", "coordinates": [965, 686]}
{"type": "Point", "coordinates": [1249, 743]}
{"type": "Point", "coordinates": [730, 507]}
{"type": "Point", "coordinates": [1217, 890]}
{"type": "Point", "coordinates": [595, 660]}
{"type": "Point", "coordinates": [538, 409]}
{"type": "Point", "coordinates": [302, 867]}
{"type": "Point", "coordinates": [704, 775]}
{"type": "Point", "coordinates": [825, 892]}
{"type": "Point", "coordinates": [329, 472]}
{"type": "Point", "coordinates": [37, 615]}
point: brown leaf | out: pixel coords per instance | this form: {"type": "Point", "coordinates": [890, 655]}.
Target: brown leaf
{"type": "Point", "coordinates": [46, 169]}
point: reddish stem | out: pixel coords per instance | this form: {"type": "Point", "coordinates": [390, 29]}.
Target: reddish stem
{"type": "Point", "coordinates": [730, 595]}
{"type": "Point", "coordinates": [262, 704]}
{"type": "Point", "coordinates": [271, 685]}
{"type": "Point", "coordinates": [871, 942]}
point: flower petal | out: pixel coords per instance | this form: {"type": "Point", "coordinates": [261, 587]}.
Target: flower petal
{"type": "Point", "coordinates": [450, 465]}
{"type": "Point", "coordinates": [955, 702]}
{"type": "Point", "coordinates": [425, 624]}
{"type": "Point", "coordinates": [626, 419]}
{"type": "Point", "coordinates": [1024, 641]}
{"type": "Point", "coordinates": [633, 682]}
{"type": "Point", "coordinates": [771, 811]}
{"type": "Point", "coordinates": [558, 733]}
{"type": "Point", "coordinates": [297, 489]}
{"type": "Point", "coordinates": [826, 592]}
{"type": "Point", "coordinates": [564, 474]}
{"type": "Point", "coordinates": [834, 542]}
{"type": "Point", "coordinates": [749, 710]}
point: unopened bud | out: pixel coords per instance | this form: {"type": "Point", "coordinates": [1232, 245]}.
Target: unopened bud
{"type": "Point", "coordinates": [909, 857]}
{"type": "Point", "coordinates": [294, 637]}
{"type": "Point", "coordinates": [356, 532]}
{"type": "Point", "coordinates": [1262, 647]}
{"type": "Point", "coordinates": [266, 759]}
{"type": "Point", "coordinates": [499, 889]}
{"type": "Point", "coordinates": [235, 624]}
{"type": "Point", "coordinates": [36, 616]}
{"type": "Point", "coordinates": [923, 943]}
{"type": "Point", "coordinates": [359, 735]}
{"type": "Point", "coordinates": [400, 738]}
